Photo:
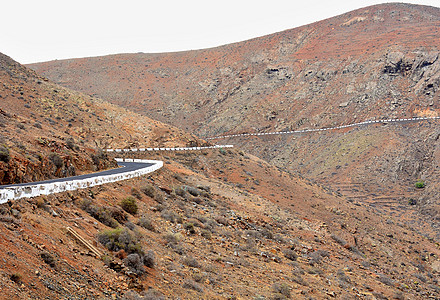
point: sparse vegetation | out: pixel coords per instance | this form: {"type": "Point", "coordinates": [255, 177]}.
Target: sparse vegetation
{"type": "Point", "coordinates": [171, 216]}
{"type": "Point", "coordinates": [150, 259]}
{"type": "Point", "coordinates": [206, 234]}
{"type": "Point", "coordinates": [105, 215]}
{"type": "Point", "coordinates": [386, 280]}
{"type": "Point", "coordinates": [48, 259]}
{"type": "Point", "coordinates": [135, 193]}
{"type": "Point", "coordinates": [172, 238]}
{"type": "Point", "coordinates": [191, 262]}
{"type": "Point", "coordinates": [129, 205]}
{"type": "Point", "coordinates": [70, 143]}
{"type": "Point", "coordinates": [4, 154]}
{"type": "Point", "coordinates": [56, 160]}
{"type": "Point", "coordinates": [146, 223]}
{"type": "Point", "coordinates": [153, 193]}
{"type": "Point", "coordinates": [339, 240]}
{"type": "Point", "coordinates": [179, 191]}
{"type": "Point", "coordinates": [134, 263]}
{"type": "Point", "coordinates": [16, 277]}
{"type": "Point", "coordinates": [191, 284]}
{"type": "Point", "coordinates": [260, 225]}
{"type": "Point", "coordinates": [120, 239]}
{"type": "Point", "coordinates": [190, 228]}
{"type": "Point", "coordinates": [290, 254]}
{"type": "Point", "coordinates": [281, 291]}
{"type": "Point", "coordinates": [420, 184]}
{"type": "Point", "coordinates": [149, 190]}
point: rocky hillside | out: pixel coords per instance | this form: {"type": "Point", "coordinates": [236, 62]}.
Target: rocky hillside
{"type": "Point", "coordinates": [213, 224]}
{"type": "Point", "coordinates": [49, 131]}
{"type": "Point", "coordinates": [377, 62]}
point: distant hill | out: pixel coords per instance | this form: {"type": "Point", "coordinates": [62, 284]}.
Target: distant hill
{"type": "Point", "coordinates": [369, 59]}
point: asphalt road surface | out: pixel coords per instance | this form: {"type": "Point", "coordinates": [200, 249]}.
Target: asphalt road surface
{"type": "Point", "coordinates": [124, 167]}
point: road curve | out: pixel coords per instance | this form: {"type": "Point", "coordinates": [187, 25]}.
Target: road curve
{"type": "Point", "coordinates": [129, 168]}
{"type": "Point", "coordinates": [124, 167]}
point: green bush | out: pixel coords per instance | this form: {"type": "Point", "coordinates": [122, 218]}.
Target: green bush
{"type": "Point", "coordinates": [420, 184]}
{"type": "Point", "coordinates": [120, 239]}
{"type": "Point", "coordinates": [129, 205]}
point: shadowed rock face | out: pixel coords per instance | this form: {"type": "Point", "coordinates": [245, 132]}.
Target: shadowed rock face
{"type": "Point", "coordinates": [378, 62]}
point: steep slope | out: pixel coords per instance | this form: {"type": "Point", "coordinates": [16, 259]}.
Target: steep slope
{"type": "Point", "coordinates": [377, 62]}
{"type": "Point", "coordinates": [214, 224]}
{"type": "Point", "coordinates": [47, 130]}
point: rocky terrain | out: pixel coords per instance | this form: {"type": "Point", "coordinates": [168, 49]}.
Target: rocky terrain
{"type": "Point", "coordinates": [378, 62]}
{"type": "Point", "coordinates": [212, 224]}
{"type": "Point", "coordinates": [342, 216]}
{"type": "Point", "coordinates": [47, 130]}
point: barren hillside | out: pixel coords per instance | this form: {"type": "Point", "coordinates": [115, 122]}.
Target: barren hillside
{"type": "Point", "coordinates": [213, 224]}
{"type": "Point", "coordinates": [48, 131]}
{"type": "Point", "coordinates": [378, 62]}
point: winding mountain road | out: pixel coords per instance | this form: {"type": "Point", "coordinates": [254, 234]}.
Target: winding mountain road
{"type": "Point", "coordinates": [129, 168]}
{"type": "Point", "coordinates": [124, 167]}
{"type": "Point", "coordinates": [381, 121]}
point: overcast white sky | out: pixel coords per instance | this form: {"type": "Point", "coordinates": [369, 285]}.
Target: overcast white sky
{"type": "Point", "coordinates": [42, 30]}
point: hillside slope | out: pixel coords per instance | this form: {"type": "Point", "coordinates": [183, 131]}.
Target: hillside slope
{"type": "Point", "coordinates": [378, 62]}
{"type": "Point", "coordinates": [214, 224]}
{"type": "Point", "coordinates": [49, 131]}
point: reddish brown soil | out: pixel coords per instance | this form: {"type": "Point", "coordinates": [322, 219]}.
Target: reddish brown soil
{"type": "Point", "coordinates": [40, 120]}
{"type": "Point", "coordinates": [378, 62]}
{"type": "Point", "coordinates": [234, 240]}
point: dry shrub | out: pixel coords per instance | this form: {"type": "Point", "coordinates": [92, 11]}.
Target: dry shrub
{"type": "Point", "coordinates": [190, 284]}
{"type": "Point", "coordinates": [129, 205]}
{"type": "Point", "coordinates": [146, 223]}
{"type": "Point", "coordinates": [48, 259]}
{"type": "Point", "coordinates": [134, 263]}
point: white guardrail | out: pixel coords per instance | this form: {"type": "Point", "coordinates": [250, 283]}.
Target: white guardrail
{"type": "Point", "coordinates": [168, 149]}
{"type": "Point", "coordinates": [18, 192]}
{"type": "Point", "coordinates": [323, 129]}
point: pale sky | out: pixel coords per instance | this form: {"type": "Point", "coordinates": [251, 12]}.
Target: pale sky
{"type": "Point", "coordinates": [42, 30]}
